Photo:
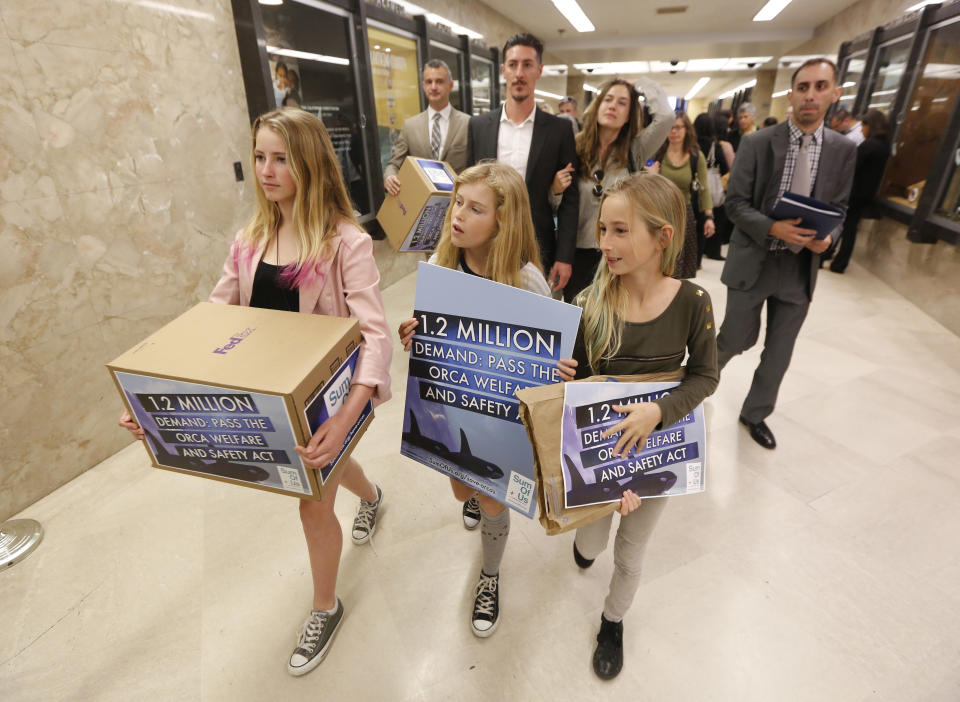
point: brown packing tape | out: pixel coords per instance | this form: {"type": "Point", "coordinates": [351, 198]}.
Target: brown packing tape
{"type": "Point", "coordinates": [541, 410]}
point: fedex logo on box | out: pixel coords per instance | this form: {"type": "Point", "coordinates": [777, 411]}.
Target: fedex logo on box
{"type": "Point", "coordinates": [234, 340]}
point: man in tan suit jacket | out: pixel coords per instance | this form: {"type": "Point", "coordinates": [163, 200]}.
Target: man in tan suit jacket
{"type": "Point", "coordinates": [440, 126]}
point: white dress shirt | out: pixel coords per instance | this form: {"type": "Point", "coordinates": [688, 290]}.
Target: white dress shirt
{"type": "Point", "coordinates": [513, 141]}
{"type": "Point", "coordinates": [855, 133]}
{"type": "Point", "coordinates": [444, 124]}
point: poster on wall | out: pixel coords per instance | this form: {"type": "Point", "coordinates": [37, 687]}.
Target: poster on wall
{"type": "Point", "coordinates": [213, 431]}
{"type": "Point", "coordinates": [285, 72]}
{"type": "Point", "coordinates": [476, 344]}
{"type": "Point", "coordinates": [396, 84]}
{"type": "Point", "coordinates": [670, 462]}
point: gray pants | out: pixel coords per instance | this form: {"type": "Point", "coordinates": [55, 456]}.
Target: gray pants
{"type": "Point", "coordinates": [633, 532]}
{"type": "Point", "coordinates": [782, 285]}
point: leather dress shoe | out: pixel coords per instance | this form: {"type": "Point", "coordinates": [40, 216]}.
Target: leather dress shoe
{"type": "Point", "coordinates": [760, 433]}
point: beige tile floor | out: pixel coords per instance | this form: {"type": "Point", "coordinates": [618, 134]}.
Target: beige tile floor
{"type": "Point", "coordinates": [828, 569]}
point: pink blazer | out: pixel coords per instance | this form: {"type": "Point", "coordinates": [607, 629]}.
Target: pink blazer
{"type": "Point", "coordinates": [348, 286]}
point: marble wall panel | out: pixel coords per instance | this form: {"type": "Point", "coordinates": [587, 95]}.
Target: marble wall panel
{"type": "Point", "coordinates": [120, 123]}
{"type": "Point", "coordinates": [119, 126]}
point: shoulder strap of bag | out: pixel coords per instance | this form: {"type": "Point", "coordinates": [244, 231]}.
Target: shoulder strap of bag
{"type": "Point", "coordinates": [694, 181]}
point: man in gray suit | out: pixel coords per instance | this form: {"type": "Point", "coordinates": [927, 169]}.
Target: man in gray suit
{"type": "Point", "coordinates": [439, 132]}
{"type": "Point", "coordinates": [798, 156]}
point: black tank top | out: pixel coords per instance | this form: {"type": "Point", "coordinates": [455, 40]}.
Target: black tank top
{"type": "Point", "coordinates": [269, 291]}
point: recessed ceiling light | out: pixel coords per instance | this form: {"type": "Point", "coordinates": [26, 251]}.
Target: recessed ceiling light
{"type": "Point", "coordinates": [413, 10]}
{"type": "Point", "coordinates": [574, 14]}
{"type": "Point", "coordinates": [770, 10]}
{"type": "Point", "coordinates": [672, 10]}
{"type": "Point", "coordinates": [667, 66]}
{"type": "Point", "coordinates": [614, 67]}
{"type": "Point", "coordinates": [697, 87]}
{"type": "Point", "coordinates": [271, 2]}
{"type": "Point", "coordinates": [710, 64]}
{"type": "Point", "coordinates": [731, 93]}
{"type": "Point", "coordinates": [544, 93]}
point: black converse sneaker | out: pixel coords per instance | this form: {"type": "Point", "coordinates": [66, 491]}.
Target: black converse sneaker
{"type": "Point", "coordinates": [314, 639]}
{"type": "Point", "coordinates": [608, 656]}
{"type": "Point", "coordinates": [486, 605]}
{"type": "Point", "coordinates": [471, 513]}
{"type": "Point", "coordinates": [366, 520]}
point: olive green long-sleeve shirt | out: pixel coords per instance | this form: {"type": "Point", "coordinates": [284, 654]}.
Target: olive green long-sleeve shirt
{"type": "Point", "coordinates": [660, 345]}
{"type": "Point", "coordinates": [681, 177]}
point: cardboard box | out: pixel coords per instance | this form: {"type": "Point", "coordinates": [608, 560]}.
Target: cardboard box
{"type": "Point", "coordinates": [226, 392]}
{"type": "Point", "coordinates": [413, 219]}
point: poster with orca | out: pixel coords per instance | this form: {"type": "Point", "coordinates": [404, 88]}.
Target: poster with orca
{"type": "Point", "coordinates": [218, 432]}
{"type": "Point", "coordinates": [476, 344]}
{"type": "Point", "coordinates": [670, 462]}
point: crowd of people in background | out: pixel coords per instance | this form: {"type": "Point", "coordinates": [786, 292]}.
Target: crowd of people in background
{"type": "Point", "coordinates": [615, 213]}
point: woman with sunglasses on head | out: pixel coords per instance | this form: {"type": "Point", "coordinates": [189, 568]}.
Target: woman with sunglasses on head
{"type": "Point", "coordinates": [613, 144]}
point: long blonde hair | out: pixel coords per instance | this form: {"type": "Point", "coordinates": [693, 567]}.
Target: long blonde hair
{"type": "Point", "coordinates": [655, 202]}
{"type": "Point", "coordinates": [588, 140]}
{"type": "Point", "coordinates": [321, 202]}
{"type": "Point", "coordinates": [515, 241]}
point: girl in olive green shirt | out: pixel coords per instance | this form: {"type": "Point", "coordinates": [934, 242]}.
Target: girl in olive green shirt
{"type": "Point", "coordinates": [638, 319]}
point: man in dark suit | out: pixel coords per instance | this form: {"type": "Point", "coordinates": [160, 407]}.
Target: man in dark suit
{"type": "Point", "coordinates": [538, 145]}
{"type": "Point", "coordinates": [798, 156]}
{"type": "Point", "coordinates": [439, 132]}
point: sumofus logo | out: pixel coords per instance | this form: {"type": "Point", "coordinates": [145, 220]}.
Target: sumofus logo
{"type": "Point", "coordinates": [234, 340]}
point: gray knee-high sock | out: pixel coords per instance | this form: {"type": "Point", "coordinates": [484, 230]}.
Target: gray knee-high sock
{"type": "Point", "coordinates": [493, 535]}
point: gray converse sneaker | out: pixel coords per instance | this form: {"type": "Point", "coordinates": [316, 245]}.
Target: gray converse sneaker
{"type": "Point", "coordinates": [486, 605]}
{"type": "Point", "coordinates": [314, 640]}
{"type": "Point", "coordinates": [366, 521]}
{"type": "Point", "coordinates": [471, 513]}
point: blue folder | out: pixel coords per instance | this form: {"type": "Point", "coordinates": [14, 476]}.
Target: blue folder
{"type": "Point", "coordinates": [822, 216]}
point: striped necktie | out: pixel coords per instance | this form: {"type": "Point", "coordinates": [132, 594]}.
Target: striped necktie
{"type": "Point", "coordinates": [435, 136]}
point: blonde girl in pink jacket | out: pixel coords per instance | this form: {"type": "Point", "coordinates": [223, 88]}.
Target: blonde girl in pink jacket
{"type": "Point", "coordinates": [304, 251]}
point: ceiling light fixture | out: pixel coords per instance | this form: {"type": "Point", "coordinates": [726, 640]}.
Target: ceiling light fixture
{"type": "Point", "coordinates": [770, 10]}
{"type": "Point", "coordinates": [412, 10]}
{"type": "Point", "coordinates": [612, 67]}
{"type": "Point", "coordinates": [921, 5]}
{"type": "Point", "coordinates": [697, 87]}
{"type": "Point", "coordinates": [575, 15]}
{"type": "Point", "coordinates": [587, 86]}
{"type": "Point", "coordinates": [731, 93]}
{"type": "Point", "coordinates": [544, 93]}
{"type": "Point", "coordinates": [780, 93]}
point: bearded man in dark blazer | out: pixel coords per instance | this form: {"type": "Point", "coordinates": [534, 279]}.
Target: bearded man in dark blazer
{"type": "Point", "coordinates": [538, 145]}
{"type": "Point", "coordinates": [776, 262]}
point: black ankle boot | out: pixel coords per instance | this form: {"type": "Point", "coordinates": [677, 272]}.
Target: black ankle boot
{"type": "Point", "coordinates": [608, 656]}
{"type": "Point", "coordinates": [580, 560]}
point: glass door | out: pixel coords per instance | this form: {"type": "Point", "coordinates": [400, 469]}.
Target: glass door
{"type": "Point", "coordinates": [482, 79]}
{"type": "Point", "coordinates": [926, 116]}
{"type": "Point", "coordinates": [309, 48]}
